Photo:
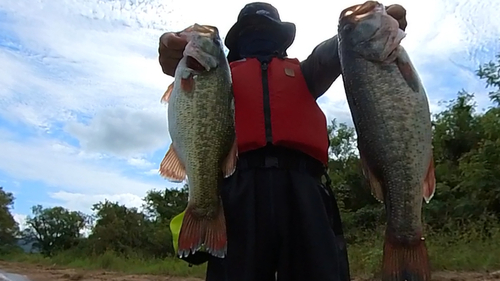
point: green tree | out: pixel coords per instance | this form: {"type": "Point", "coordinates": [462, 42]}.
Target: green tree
{"type": "Point", "coordinates": [161, 207]}
{"type": "Point", "coordinates": [360, 209]}
{"type": "Point", "coordinates": [9, 228]}
{"type": "Point", "coordinates": [166, 204]}
{"type": "Point", "coordinates": [467, 153]}
{"type": "Point", "coordinates": [118, 228]}
{"type": "Point", "coordinates": [54, 229]}
{"type": "Point", "coordinates": [491, 73]}
{"type": "Point", "coordinates": [480, 179]}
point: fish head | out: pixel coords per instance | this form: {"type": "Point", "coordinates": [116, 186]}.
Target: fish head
{"type": "Point", "coordinates": [370, 32]}
{"type": "Point", "coordinates": [205, 48]}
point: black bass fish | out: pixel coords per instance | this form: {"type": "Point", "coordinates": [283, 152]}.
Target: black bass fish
{"type": "Point", "coordinates": [390, 111]}
{"type": "Point", "coordinates": [202, 129]}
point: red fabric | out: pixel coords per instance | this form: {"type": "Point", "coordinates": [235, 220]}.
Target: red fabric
{"type": "Point", "coordinates": [297, 121]}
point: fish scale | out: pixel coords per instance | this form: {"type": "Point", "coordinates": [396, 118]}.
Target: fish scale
{"type": "Point", "coordinates": [393, 142]}
{"type": "Point", "coordinates": [198, 120]}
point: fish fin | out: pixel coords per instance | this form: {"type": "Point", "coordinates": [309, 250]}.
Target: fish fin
{"type": "Point", "coordinates": [215, 238]}
{"type": "Point", "coordinates": [430, 182]}
{"type": "Point", "coordinates": [167, 94]}
{"type": "Point", "coordinates": [187, 84]}
{"type": "Point", "coordinates": [229, 164]}
{"type": "Point", "coordinates": [407, 71]}
{"type": "Point", "coordinates": [171, 166]}
{"type": "Point", "coordinates": [196, 231]}
{"type": "Point", "coordinates": [191, 233]}
{"type": "Point", "coordinates": [375, 186]}
{"type": "Point", "coordinates": [404, 261]}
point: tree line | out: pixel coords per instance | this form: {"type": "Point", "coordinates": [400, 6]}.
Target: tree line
{"type": "Point", "coordinates": [467, 161]}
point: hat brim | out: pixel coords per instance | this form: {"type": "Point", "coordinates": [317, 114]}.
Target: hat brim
{"type": "Point", "coordinates": [287, 28]}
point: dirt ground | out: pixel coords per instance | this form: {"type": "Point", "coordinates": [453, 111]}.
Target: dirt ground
{"type": "Point", "coordinates": [44, 273]}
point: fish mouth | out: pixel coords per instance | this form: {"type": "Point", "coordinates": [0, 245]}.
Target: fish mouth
{"type": "Point", "coordinates": [198, 57]}
{"type": "Point", "coordinates": [194, 64]}
{"type": "Point", "coordinates": [357, 12]}
{"type": "Point", "coordinates": [199, 61]}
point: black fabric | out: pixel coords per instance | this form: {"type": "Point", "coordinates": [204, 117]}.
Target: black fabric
{"type": "Point", "coordinates": [280, 218]}
{"type": "Point", "coordinates": [322, 67]}
{"type": "Point", "coordinates": [261, 8]}
{"type": "Point", "coordinates": [216, 270]}
{"type": "Point", "coordinates": [197, 258]}
{"type": "Point", "coordinates": [283, 158]}
{"type": "Point", "coordinates": [261, 17]}
{"type": "Point", "coordinates": [253, 43]}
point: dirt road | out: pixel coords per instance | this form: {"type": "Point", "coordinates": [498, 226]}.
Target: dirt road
{"type": "Point", "coordinates": [44, 273]}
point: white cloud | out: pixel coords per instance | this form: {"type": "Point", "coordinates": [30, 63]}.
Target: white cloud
{"type": "Point", "coordinates": [74, 65]}
{"type": "Point", "coordinates": [123, 132]}
{"type": "Point", "coordinates": [152, 172]}
{"type": "Point", "coordinates": [60, 166]}
{"type": "Point", "coordinates": [90, 66]}
{"type": "Point", "coordinates": [20, 219]}
{"type": "Point", "coordinates": [83, 202]}
{"type": "Point", "coordinates": [139, 162]}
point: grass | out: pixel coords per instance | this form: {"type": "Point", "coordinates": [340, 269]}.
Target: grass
{"type": "Point", "coordinates": [459, 251]}
{"type": "Point", "coordinates": [466, 250]}
{"type": "Point", "coordinates": [112, 262]}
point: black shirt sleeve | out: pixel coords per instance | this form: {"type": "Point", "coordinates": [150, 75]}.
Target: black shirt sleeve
{"type": "Point", "coordinates": [322, 67]}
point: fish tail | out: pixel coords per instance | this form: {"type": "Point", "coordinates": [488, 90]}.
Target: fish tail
{"type": "Point", "coordinates": [404, 261]}
{"type": "Point", "coordinates": [197, 231]}
{"type": "Point", "coordinates": [216, 239]}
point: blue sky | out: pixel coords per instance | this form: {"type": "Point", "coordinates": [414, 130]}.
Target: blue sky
{"type": "Point", "coordinates": [80, 117]}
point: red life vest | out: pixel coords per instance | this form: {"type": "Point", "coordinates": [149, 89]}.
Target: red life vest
{"type": "Point", "coordinates": [273, 105]}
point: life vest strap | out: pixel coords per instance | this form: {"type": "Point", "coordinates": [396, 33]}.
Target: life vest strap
{"type": "Point", "coordinates": [281, 158]}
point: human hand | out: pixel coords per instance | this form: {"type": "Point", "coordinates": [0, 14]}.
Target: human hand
{"type": "Point", "coordinates": [398, 13]}
{"type": "Point", "coordinates": [171, 50]}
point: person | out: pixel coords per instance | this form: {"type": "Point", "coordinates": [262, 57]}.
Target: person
{"type": "Point", "coordinates": [281, 214]}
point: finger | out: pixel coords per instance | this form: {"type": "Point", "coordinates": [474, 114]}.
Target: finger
{"type": "Point", "coordinates": [168, 65]}
{"type": "Point", "coordinates": [402, 24]}
{"type": "Point", "coordinates": [396, 11]}
{"type": "Point", "coordinates": [170, 53]}
{"type": "Point", "coordinates": [172, 41]}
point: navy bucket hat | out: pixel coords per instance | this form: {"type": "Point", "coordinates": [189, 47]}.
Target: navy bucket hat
{"type": "Point", "coordinates": [262, 13]}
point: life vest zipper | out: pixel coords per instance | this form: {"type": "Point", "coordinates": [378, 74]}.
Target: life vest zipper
{"type": "Point", "coordinates": [267, 103]}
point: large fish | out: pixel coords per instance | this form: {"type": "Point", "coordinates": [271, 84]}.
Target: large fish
{"type": "Point", "coordinates": [201, 126]}
{"type": "Point", "coordinates": [391, 115]}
